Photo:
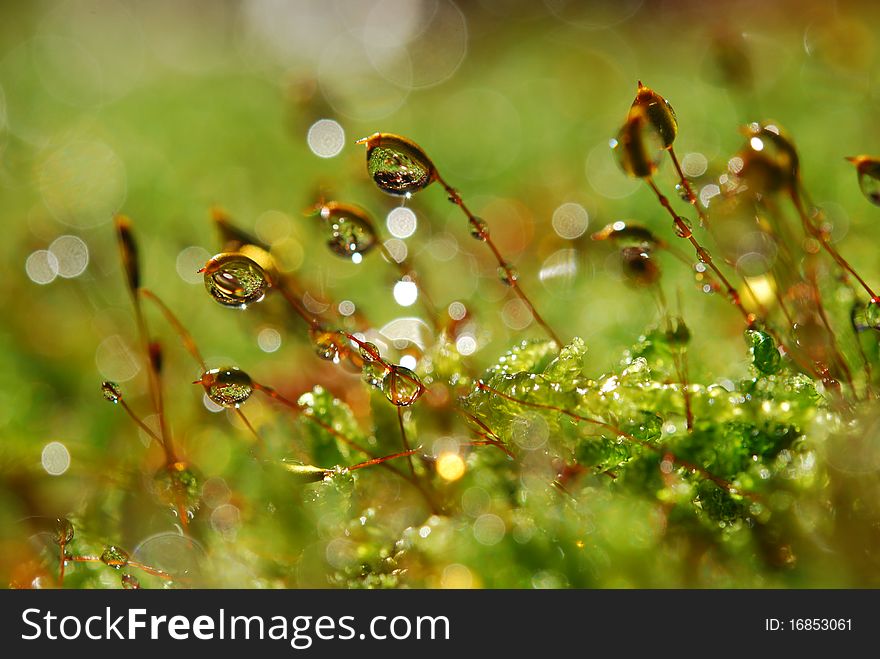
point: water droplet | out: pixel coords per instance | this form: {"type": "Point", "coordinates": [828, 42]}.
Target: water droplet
{"type": "Point", "coordinates": [177, 485]}
{"type": "Point", "coordinates": [627, 231]}
{"type": "Point", "coordinates": [479, 229]}
{"type": "Point", "coordinates": [234, 280]}
{"type": "Point", "coordinates": [508, 275]}
{"type": "Point", "coordinates": [111, 392]}
{"type": "Point", "coordinates": [397, 165]}
{"type": "Point", "coordinates": [374, 373]}
{"type": "Point", "coordinates": [639, 145]}
{"type": "Point", "coordinates": [351, 231]}
{"type": "Point", "coordinates": [331, 346]}
{"type": "Point", "coordinates": [769, 159]}
{"type": "Point", "coordinates": [130, 582]}
{"type": "Point", "coordinates": [369, 352]}
{"type": "Point", "coordinates": [229, 387]}
{"type": "Point", "coordinates": [63, 531]}
{"type": "Point", "coordinates": [114, 557]}
{"type": "Point", "coordinates": [872, 312]}
{"type": "Point", "coordinates": [682, 192]}
{"type": "Point", "coordinates": [639, 268]}
{"type": "Point", "coordinates": [869, 177]}
{"type": "Point", "coordinates": [401, 386]}
{"type": "Point", "coordinates": [765, 354]}
{"type": "Point", "coordinates": [658, 112]}
{"type": "Point", "coordinates": [683, 227]}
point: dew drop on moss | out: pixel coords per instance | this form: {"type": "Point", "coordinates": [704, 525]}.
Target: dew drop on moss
{"type": "Point", "coordinates": [765, 354]}
{"type": "Point", "coordinates": [401, 386]}
{"type": "Point", "coordinates": [374, 373]}
{"type": "Point", "coordinates": [639, 269]}
{"type": "Point", "coordinates": [683, 227]}
{"type": "Point", "coordinates": [369, 352]}
{"type": "Point", "coordinates": [330, 345]}
{"type": "Point", "coordinates": [770, 160]}
{"type": "Point", "coordinates": [111, 392]}
{"type": "Point", "coordinates": [63, 531]}
{"type": "Point", "coordinates": [350, 230]}
{"type": "Point", "coordinates": [130, 582]}
{"type": "Point", "coordinates": [234, 280]}
{"type": "Point", "coordinates": [658, 112]}
{"type": "Point", "coordinates": [508, 275]}
{"type": "Point", "coordinates": [228, 387]}
{"type": "Point", "coordinates": [872, 312]}
{"type": "Point", "coordinates": [397, 165]}
{"type": "Point", "coordinates": [868, 170]}
{"type": "Point", "coordinates": [479, 229]}
{"type": "Point", "coordinates": [177, 485]}
{"type": "Point", "coordinates": [639, 146]}
{"type": "Point", "coordinates": [114, 557]}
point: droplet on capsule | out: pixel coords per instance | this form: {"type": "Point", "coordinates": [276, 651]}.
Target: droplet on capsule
{"type": "Point", "coordinates": [639, 145]}
{"type": "Point", "coordinates": [111, 392]}
{"type": "Point", "coordinates": [114, 557]}
{"type": "Point", "coordinates": [639, 268]}
{"type": "Point", "coordinates": [658, 112]}
{"type": "Point", "coordinates": [769, 159]}
{"type": "Point", "coordinates": [350, 229]}
{"type": "Point", "coordinates": [374, 373]}
{"type": "Point", "coordinates": [130, 582]}
{"type": "Point", "coordinates": [228, 387]}
{"type": "Point", "coordinates": [627, 231]}
{"type": "Point", "coordinates": [872, 312]}
{"type": "Point", "coordinates": [397, 165]}
{"type": "Point", "coordinates": [479, 229]}
{"type": "Point", "coordinates": [401, 386]}
{"type": "Point", "coordinates": [765, 354]}
{"type": "Point", "coordinates": [370, 352]}
{"type": "Point", "coordinates": [63, 531]}
{"type": "Point", "coordinates": [683, 227]}
{"type": "Point", "coordinates": [234, 280]}
{"type": "Point", "coordinates": [868, 170]}
{"type": "Point", "coordinates": [331, 346]}
{"type": "Point", "coordinates": [177, 485]}
{"type": "Point", "coordinates": [508, 275]}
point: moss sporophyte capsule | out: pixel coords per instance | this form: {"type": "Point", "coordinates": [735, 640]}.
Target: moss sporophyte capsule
{"type": "Point", "coordinates": [227, 387]}
{"type": "Point", "coordinates": [397, 165]}
{"type": "Point", "coordinates": [868, 170]}
{"type": "Point", "coordinates": [657, 112]}
{"type": "Point", "coordinates": [350, 230]}
{"type": "Point", "coordinates": [235, 280]}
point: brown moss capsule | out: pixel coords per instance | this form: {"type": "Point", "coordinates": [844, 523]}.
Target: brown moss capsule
{"type": "Point", "coordinates": [228, 387]}
{"type": "Point", "coordinates": [111, 392]}
{"type": "Point", "coordinates": [128, 248]}
{"type": "Point", "coordinates": [658, 112]}
{"type": "Point", "coordinates": [401, 386]}
{"type": "Point", "coordinates": [63, 531]}
{"type": "Point", "coordinates": [868, 169]}
{"type": "Point", "coordinates": [639, 146]}
{"type": "Point", "coordinates": [114, 557]}
{"type": "Point", "coordinates": [639, 269]}
{"type": "Point", "coordinates": [627, 232]}
{"type": "Point", "coordinates": [234, 280]}
{"type": "Point", "coordinates": [769, 159]}
{"type": "Point", "coordinates": [397, 165]}
{"type": "Point", "coordinates": [332, 346]}
{"type": "Point", "coordinates": [351, 231]}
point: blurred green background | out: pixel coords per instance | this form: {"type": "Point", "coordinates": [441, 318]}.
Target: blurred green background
{"type": "Point", "coordinates": [162, 110]}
